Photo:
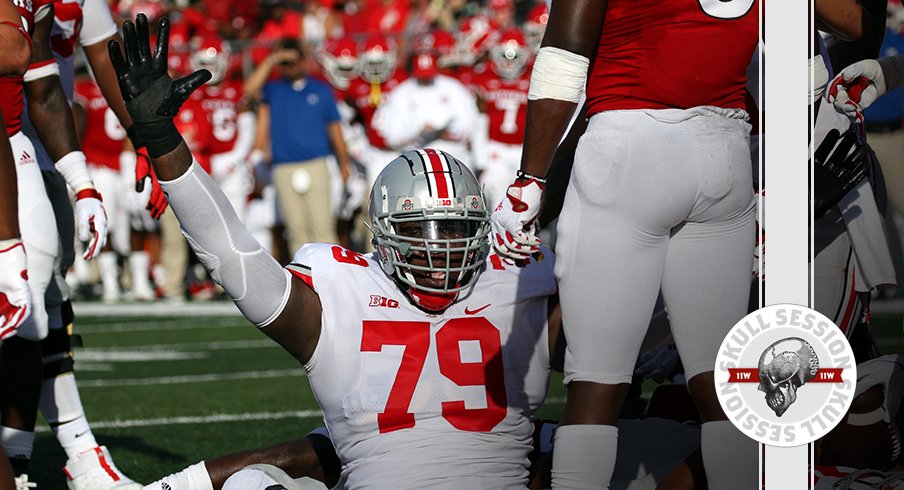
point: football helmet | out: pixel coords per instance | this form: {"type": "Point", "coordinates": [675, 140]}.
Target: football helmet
{"type": "Point", "coordinates": [474, 37]}
{"type": "Point", "coordinates": [509, 57]}
{"type": "Point", "coordinates": [212, 54]}
{"type": "Point", "coordinates": [378, 60]}
{"type": "Point", "coordinates": [340, 62]}
{"type": "Point", "coordinates": [430, 224]}
{"type": "Point", "coordinates": [439, 43]}
{"type": "Point", "coordinates": [535, 26]}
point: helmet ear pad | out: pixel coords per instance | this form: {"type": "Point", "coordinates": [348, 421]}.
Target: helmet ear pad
{"type": "Point", "coordinates": [430, 225]}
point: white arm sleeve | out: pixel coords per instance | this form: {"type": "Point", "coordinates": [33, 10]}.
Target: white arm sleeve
{"type": "Point", "coordinates": [97, 23]}
{"type": "Point", "coordinates": [236, 261]}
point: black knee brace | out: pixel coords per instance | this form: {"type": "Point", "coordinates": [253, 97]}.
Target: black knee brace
{"type": "Point", "coordinates": [56, 350]}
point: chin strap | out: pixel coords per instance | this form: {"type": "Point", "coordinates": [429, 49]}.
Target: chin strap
{"type": "Point", "coordinates": [432, 302]}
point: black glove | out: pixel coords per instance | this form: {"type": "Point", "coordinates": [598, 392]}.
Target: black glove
{"type": "Point", "coordinates": [152, 97]}
{"type": "Point", "coordinates": [837, 169]}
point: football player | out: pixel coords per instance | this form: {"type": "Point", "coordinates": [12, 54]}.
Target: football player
{"type": "Point", "coordinates": [413, 352]}
{"type": "Point", "coordinates": [15, 301]}
{"type": "Point", "coordinates": [102, 137]}
{"type": "Point", "coordinates": [502, 95]}
{"type": "Point", "coordinates": [852, 252]}
{"type": "Point", "coordinates": [379, 77]}
{"type": "Point", "coordinates": [340, 64]}
{"type": "Point", "coordinates": [428, 109]}
{"type": "Point", "coordinates": [653, 211]}
{"type": "Point", "coordinates": [50, 129]}
{"type": "Point", "coordinates": [231, 120]}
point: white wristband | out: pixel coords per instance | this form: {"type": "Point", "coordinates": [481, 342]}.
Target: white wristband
{"type": "Point", "coordinates": [558, 74]}
{"type": "Point", "coordinates": [75, 171]}
{"type": "Point", "coordinates": [39, 72]}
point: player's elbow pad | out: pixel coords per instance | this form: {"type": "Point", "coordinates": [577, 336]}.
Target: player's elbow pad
{"type": "Point", "coordinates": [558, 74]}
{"type": "Point", "coordinates": [236, 261]}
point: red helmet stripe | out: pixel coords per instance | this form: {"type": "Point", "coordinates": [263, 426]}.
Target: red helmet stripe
{"type": "Point", "coordinates": [438, 173]}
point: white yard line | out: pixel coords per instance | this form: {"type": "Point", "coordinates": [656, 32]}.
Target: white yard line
{"type": "Point", "coordinates": [190, 378]}
{"type": "Point", "coordinates": [215, 345]}
{"type": "Point", "coordinates": [160, 325]}
{"type": "Point", "coordinates": [203, 419]}
{"type": "Point", "coordinates": [122, 355]}
{"type": "Point", "coordinates": [156, 309]}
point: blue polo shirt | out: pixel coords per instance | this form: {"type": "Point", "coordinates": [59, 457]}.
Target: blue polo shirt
{"type": "Point", "coordinates": [889, 107]}
{"type": "Point", "coordinates": [299, 119]}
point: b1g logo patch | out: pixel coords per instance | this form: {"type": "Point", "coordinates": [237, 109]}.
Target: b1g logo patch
{"type": "Point", "coordinates": [785, 375]}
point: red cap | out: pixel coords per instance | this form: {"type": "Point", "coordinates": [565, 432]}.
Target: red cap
{"type": "Point", "coordinates": [424, 65]}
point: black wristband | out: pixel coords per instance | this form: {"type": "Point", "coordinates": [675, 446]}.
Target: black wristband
{"type": "Point", "coordinates": [526, 176]}
{"type": "Point", "coordinates": [155, 128]}
{"type": "Point", "coordinates": [159, 137]}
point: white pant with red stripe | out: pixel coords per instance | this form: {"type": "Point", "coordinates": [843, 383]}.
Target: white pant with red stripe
{"type": "Point", "coordinates": [657, 199]}
{"type": "Point", "coordinates": [39, 233]}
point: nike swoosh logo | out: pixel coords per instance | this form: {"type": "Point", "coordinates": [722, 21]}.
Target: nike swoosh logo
{"type": "Point", "coordinates": [474, 312]}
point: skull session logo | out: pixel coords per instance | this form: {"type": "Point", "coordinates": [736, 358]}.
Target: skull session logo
{"type": "Point", "coordinates": [785, 375]}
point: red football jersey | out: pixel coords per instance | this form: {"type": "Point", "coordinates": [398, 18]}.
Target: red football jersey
{"type": "Point", "coordinates": [469, 75]}
{"type": "Point", "coordinates": [675, 54]}
{"type": "Point", "coordinates": [103, 138]}
{"type": "Point", "coordinates": [367, 97]}
{"type": "Point", "coordinates": [220, 103]}
{"type": "Point", "coordinates": [506, 102]}
{"type": "Point", "coordinates": [192, 123]}
{"type": "Point", "coordinates": [11, 87]}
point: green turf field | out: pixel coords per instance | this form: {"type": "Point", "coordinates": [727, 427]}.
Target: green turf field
{"type": "Point", "coordinates": [163, 393]}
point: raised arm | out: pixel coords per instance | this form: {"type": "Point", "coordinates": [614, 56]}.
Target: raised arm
{"type": "Point", "coordinates": [269, 296]}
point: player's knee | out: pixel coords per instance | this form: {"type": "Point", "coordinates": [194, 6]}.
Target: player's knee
{"type": "Point", "coordinates": [56, 351]}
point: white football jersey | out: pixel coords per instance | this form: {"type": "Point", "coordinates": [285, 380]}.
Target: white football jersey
{"type": "Point", "coordinates": [415, 400]}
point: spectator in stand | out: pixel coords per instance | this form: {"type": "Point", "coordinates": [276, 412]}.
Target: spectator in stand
{"type": "Point", "coordinates": [320, 22]}
{"type": "Point", "coordinates": [502, 13]}
{"type": "Point", "coordinates": [279, 22]}
{"type": "Point", "coordinates": [389, 17]}
{"type": "Point", "coordinates": [300, 117]}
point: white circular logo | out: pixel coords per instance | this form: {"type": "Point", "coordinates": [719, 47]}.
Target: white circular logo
{"type": "Point", "coordinates": [785, 375]}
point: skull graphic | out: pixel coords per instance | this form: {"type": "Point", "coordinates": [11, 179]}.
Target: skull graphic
{"type": "Point", "coordinates": [784, 367]}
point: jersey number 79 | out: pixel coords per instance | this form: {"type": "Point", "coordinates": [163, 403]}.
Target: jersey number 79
{"type": "Point", "coordinates": [415, 336]}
